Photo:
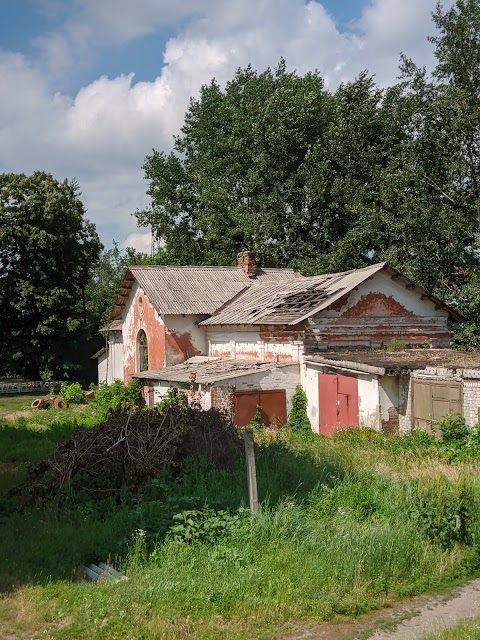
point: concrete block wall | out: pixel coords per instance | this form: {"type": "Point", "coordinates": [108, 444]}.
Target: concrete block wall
{"type": "Point", "coordinates": [471, 401]}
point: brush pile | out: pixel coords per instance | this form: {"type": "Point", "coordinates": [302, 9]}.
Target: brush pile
{"type": "Point", "coordinates": [127, 450]}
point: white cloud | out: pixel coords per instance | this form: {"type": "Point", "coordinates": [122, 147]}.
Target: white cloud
{"type": "Point", "coordinates": [102, 134]}
{"type": "Point", "coordinates": [139, 241]}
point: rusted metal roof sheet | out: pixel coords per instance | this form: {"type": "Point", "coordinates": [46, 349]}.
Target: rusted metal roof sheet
{"type": "Point", "coordinates": [209, 372]}
{"type": "Point", "coordinates": [192, 290]}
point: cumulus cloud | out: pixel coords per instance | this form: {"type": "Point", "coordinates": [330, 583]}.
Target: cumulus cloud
{"type": "Point", "coordinates": [139, 241]}
{"type": "Point", "coordinates": [102, 134]}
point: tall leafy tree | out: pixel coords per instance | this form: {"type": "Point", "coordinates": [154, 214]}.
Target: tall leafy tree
{"type": "Point", "coordinates": [235, 180]}
{"type": "Point", "coordinates": [327, 181]}
{"type": "Point", "coordinates": [47, 252]}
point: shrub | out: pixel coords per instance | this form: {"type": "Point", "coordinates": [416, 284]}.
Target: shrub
{"type": "Point", "coordinates": [71, 392]}
{"type": "Point", "coordinates": [118, 396]}
{"type": "Point", "coordinates": [173, 398]}
{"type": "Point", "coordinates": [298, 420]}
{"type": "Point", "coordinates": [443, 511]}
{"type": "Point", "coordinates": [455, 435]}
{"type": "Point", "coordinates": [396, 344]}
{"type": "Point", "coordinates": [256, 421]}
{"type": "Point", "coordinates": [206, 525]}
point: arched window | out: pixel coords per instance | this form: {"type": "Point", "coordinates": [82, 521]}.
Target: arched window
{"type": "Point", "coordinates": [142, 349]}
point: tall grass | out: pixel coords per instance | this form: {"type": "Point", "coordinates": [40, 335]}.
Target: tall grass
{"type": "Point", "coordinates": [346, 524]}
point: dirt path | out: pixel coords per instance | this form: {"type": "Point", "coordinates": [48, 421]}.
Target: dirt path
{"type": "Point", "coordinates": [438, 614]}
{"type": "Point", "coordinates": [403, 621]}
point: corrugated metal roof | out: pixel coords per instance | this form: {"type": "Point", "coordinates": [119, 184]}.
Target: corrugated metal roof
{"type": "Point", "coordinates": [193, 290]}
{"type": "Point", "coordinates": [209, 372]}
{"type": "Point", "coordinates": [282, 302]}
{"type": "Point", "coordinates": [115, 325]}
{"type": "Point", "coordinates": [292, 301]}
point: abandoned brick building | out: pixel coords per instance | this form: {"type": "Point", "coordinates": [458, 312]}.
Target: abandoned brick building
{"type": "Point", "coordinates": [241, 337]}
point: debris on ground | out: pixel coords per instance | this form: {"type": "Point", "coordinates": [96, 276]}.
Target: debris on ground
{"type": "Point", "coordinates": [127, 450]}
{"type": "Point", "coordinates": [94, 572]}
{"type": "Point", "coordinates": [48, 401]}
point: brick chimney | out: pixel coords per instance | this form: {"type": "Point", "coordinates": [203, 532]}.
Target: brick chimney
{"type": "Point", "coordinates": [248, 262]}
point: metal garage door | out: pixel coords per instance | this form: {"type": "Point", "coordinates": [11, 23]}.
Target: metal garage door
{"type": "Point", "coordinates": [337, 402]}
{"type": "Point", "coordinates": [432, 401]}
{"type": "Point", "coordinates": [273, 406]}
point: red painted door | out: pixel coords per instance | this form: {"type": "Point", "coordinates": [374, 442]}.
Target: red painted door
{"type": "Point", "coordinates": [273, 407]}
{"type": "Point", "coordinates": [337, 402]}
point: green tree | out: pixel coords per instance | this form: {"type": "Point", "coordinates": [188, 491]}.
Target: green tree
{"type": "Point", "coordinates": [47, 253]}
{"type": "Point", "coordinates": [235, 180]}
{"type": "Point", "coordinates": [298, 419]}
{"type": "Point", "coordinates": [330, 181]}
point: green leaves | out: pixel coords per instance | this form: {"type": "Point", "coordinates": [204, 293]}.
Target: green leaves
{"type": "Point", "coordinates": [47, 253]}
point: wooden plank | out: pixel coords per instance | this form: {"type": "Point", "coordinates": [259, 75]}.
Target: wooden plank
{"type": "Point", "coordinates": [251, 470]}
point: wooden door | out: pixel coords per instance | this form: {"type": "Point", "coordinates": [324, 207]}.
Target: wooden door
{"type": "Point", "coordinates": [337, 401]}
{"type": "Point", "coordinates": [432, 401]}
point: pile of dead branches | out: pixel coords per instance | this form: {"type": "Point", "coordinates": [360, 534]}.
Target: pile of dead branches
{"type": "Point", "coordinates": [129, 449]}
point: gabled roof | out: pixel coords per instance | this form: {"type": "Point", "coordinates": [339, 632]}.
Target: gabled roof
{"type": "Point", "coordinates": [292, 302]}
{"type": "Point", "coordinates": [211, 371]}
{"type": "Point", "coordinates": [192, 290]}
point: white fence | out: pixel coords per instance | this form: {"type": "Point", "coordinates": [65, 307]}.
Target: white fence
{"type": "Point", "coordinates": [28, 387]}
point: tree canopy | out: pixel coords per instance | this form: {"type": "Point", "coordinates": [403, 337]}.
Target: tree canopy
{"type": "Point", "coordinates": [322, 180]}
{"type": "Point", "coordinates": [47, 254]}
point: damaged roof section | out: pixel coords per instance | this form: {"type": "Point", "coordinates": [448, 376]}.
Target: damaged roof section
{"type": "Point", "coordinates": [292, 302]}
{"type": "Point", "coordinates": [209, 372]}
{"type": "Point", "coordinates": [395, 363]}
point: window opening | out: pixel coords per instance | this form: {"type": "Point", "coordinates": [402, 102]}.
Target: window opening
{"type": "Point", "coordinates": [142, 351]}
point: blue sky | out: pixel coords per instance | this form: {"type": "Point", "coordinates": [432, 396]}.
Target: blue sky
{"type": "Point", "coordinates": [89, 87]}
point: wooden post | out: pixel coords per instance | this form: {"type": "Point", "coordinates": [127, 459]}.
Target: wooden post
{"type": "Point", "coordinates": [251, 472]}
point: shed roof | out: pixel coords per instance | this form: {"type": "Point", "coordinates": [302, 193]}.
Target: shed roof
{"type": "Point", "coordinates": [387, 362]}
{"type": "Point", "coordinates": [192, 290]}
{"type": "Point", "coordinates": [209, 372]}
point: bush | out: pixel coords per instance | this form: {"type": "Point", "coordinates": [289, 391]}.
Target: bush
{"type": "Point", "coordinates": [443, 511]}
{"type": "Point", "coordinates": [118, 396]}
{"type": "Point", "coordinates": [455, 435]}
{"type": "Point", "coordinates": [71, 392]}
{"type": "Point", "coordinates": [396, 344]}
{"type": "Point", "coordinates": [206, 526]}
{"type": "Point", "coordinates": [298, 420]}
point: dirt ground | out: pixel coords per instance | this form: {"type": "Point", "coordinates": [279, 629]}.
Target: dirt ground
{"type": "Point", "coordinates": [403, 621]}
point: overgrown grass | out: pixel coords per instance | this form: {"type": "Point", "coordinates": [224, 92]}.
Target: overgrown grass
{"type": "Point", "coordinates": [347, 524]}
{"type": "Point", "coordinates": [468, 630]}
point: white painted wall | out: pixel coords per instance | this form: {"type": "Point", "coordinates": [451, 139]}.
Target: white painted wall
{"type": "Point", "coordinates": [368, 401]}
{"type": "Point", "coordinates": [181, 324]}
{"type": "Point", "coordinates": [110, 363]}
{"type": "Point", "coordinates": [382, 283]}
{"type": "Point", "coordinates": [309, 376]}
{"type": "Point", "coordinates": [416, 320]}
{"type": "Point", "coordinates": [102, 368]}
{"type": "Point", "coordinates": [246, 343]}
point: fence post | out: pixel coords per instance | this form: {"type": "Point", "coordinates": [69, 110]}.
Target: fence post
{"type": "Point", "coordinates": [251, 471]}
